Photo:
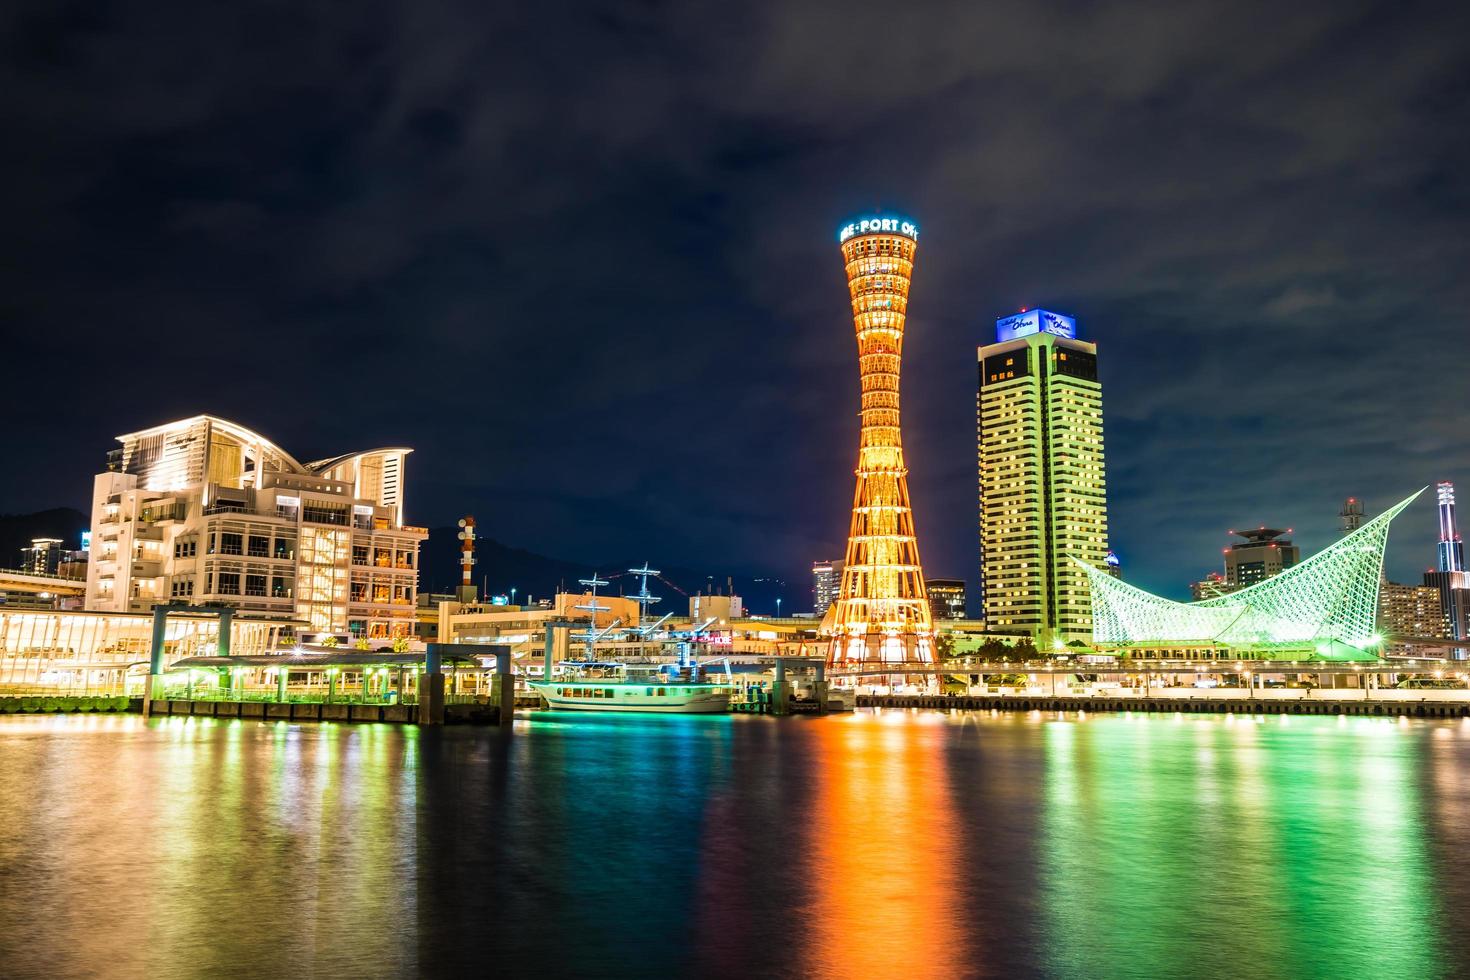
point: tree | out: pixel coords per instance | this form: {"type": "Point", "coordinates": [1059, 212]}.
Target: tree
{"type": "Point", "coordinates": [993, 649]}
{"type": "Point", "coordinates": [1006, 680]}
{"type": "Point", "coordinates": [943, 646]}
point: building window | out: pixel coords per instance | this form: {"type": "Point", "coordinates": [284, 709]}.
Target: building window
{"type": "Point", "coordinates": [285, 548]}
{"type": "Point", "coordinates": [255, 585]}
{"type": "Point", "coordinates": [359, 554]}
{"type": "Point", "coordinates": [230, 544]}
{"type": "Point", "coordinates": [229, 583]}
{"type": "Point", "coordinates": [259, 546]}
{"type": "Point", "coordinates": [186, 547]}
{"type": "Point", "coordinates": [315, 512]}
{"type": "Point", "coordinates": [278, 588]}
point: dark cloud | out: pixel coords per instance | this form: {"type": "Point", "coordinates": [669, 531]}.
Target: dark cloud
{"type": "Point", "coordinates": [582, 257]}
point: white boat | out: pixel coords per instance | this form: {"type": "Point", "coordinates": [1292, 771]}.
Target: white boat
{"type": "Point", "coordinates": [658, 688]}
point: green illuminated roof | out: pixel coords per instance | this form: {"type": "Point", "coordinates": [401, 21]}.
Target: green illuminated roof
{"type": "Point", "coordinates": [1332, 596]}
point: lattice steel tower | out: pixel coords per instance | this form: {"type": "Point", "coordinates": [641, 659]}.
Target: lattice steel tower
{"type": "Point", "coordinates": [882, 613]}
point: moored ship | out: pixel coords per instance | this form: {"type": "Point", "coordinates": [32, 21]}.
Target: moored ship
{"type": "Point", "coordinates": [682, 687]}
{"type": "Point", "coordinates": [659, 688]}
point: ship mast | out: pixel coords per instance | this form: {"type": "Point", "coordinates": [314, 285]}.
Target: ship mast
{"type": "Point", "coordinates": [592, 609]}
{"type": "Point", "coordinates": [644, 600]}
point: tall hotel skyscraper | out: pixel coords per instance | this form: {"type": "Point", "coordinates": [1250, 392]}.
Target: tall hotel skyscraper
{"type": "Point", "coordinates": [1451, 579]}
{"type": "Point", "coordinates": [1043, 496]}
{"type": "Point", "coordinates": [881, 614]}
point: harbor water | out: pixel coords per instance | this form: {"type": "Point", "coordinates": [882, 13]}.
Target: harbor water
{"type": "Point", "coordinates": [871, 845]}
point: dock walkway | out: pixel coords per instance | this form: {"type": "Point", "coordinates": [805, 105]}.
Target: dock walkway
{"type": "Point", "coordinates": [1420, 708]}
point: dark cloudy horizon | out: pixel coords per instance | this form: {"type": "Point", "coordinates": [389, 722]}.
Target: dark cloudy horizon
{"type": "Point", "coordinates": [582, 257]}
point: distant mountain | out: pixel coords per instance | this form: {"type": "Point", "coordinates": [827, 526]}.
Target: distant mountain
{"type": "Point", "coordinates": [17, 531]}
{"type": "Point", "coordinates": [500, 568]}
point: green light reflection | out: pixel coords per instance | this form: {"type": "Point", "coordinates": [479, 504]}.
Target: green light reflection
{"type": "Point", "coordinates": [1299, 847]}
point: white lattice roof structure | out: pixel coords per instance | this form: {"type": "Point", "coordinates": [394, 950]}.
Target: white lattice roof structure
{"type": "Point", "coordinates": [1330, 597]}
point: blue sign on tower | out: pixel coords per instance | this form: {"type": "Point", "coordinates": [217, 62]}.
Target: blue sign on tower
{"type": "Point", "coordinates": [1028, 322]}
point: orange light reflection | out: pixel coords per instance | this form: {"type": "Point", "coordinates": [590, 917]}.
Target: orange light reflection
{"type": "Point", "coordinates": [885, 897]}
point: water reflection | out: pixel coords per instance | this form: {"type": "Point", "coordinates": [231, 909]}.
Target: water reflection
{"type": "Point", "coordinates": [875, 854]}
{"type": "Point", "coordinates": [1299, 848]}
{"type": "Point", "coordinates": [913, 844]}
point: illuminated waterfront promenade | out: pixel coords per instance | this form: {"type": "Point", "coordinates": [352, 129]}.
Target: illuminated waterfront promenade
{"type": "Point", "coordinates": [1312, 687]}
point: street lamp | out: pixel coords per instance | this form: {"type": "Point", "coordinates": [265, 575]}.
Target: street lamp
{"type": "Point", "coordinates": [778, 607]}
{"type": "Point", "coordinates": [512, 595]}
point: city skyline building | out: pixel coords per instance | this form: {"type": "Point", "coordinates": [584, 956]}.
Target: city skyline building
{"type": "Point", "coordinates": [1209, 587]}
{"type": "Point", "coordinates": [1265, 552]}
{"type": "Point", "coordinates": [43, 556]}
{"type": "Point", "coordinates": [1453, 589]}
{"type": "Point", "coordinates": [1042, 479]}
{"type": "Point", "coordinates": [1350, 518]}
{"type": "Point", "coordinates": [1451, 580]}
{"type": "Point", "coordinates": [826, 585]}
{"type": "Point", "coordinates": [1451, 548]}
{"type": "Point", "coordinates": [1408, 615]}
{"type": "Point", "coordinates": [946, 598]}
{"type": "Point", "coordinates": [881, 614]}
{"type": "Point", "coordinates": [203, 510]}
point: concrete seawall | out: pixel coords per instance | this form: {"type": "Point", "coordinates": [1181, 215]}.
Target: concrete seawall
{"type": "Point", "coordinates": [403, 714]}
{"type": "Point", "coordinates": [68, 704]}
{"type": "Point", "coordinates": [472, 713]}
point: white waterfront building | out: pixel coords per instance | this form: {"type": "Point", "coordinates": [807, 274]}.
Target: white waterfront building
{"type": "Point", "coordinates": [204, 510]}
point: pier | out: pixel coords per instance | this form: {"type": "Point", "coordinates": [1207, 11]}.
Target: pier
{"type": "Point", "coordinates": [1416, 707]}
{"type": "Point", "coordinates": [453, 683]}
{"type": "Point", "coordinates": [1437, 689]}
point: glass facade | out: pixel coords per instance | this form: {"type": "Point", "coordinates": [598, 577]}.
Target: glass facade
{"type": "Point", "coordinates": [84, 653]}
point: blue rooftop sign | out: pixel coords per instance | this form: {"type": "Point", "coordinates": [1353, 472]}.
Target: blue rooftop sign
{"type": "Point", "coordinates": [1035, 321]}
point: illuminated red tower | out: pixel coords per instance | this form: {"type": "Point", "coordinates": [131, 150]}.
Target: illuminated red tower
{"type": "Point", "coordinates": [882, 614]}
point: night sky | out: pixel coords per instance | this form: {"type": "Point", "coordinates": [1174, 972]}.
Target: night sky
{"type": "Point", "coordinates": [583, 258]}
